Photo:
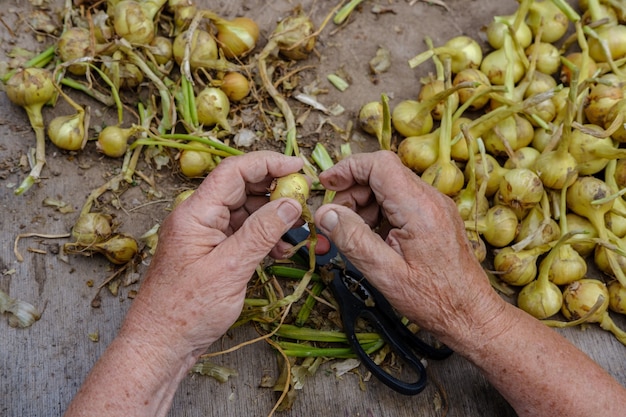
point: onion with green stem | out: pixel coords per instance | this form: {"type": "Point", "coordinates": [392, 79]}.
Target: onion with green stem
{"type": "Point", "coordinates": [444, 174]}
{"type": "Point", "coordinates": [568, 265]}
{"type": "Point", "coordinates": [419, 152]}
{"type": "Point", "coordinates": [32, 88]}
{"type": "Point", "coordinates": [545, 15]}
{"type": "Point", "coordinates": [213, 107]}
{"type": "Point", "coordinates": [69, 132]}
{"type": "Point", "coordinates": [617, 297]}
{"type": "Point", "coordinates": [541, 298]}
{"type": "Point", "coordinates": [471, 201]}
{"type": "Point", "coordinates": [518, 267]}
{"type": "Point", "coordinates": [113, 140]}
{"type": "Point", "coordinates": [134, 20]}
{"type": "Point", "coordinates": [537, 227]}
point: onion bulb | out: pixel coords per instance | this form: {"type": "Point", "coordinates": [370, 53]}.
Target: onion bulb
{"type": "Point", "coordinates": [237, 37]}
{"type": "Point", "coordinates": [213, 107]}
{"type": "Point", "coordinates": [419, 152]}
{"type": "Point", "coordinates": [614, 36]}
{"type": "Point", "coordinates": [92, 228]}
{"type": "Point", "coordinates": [602, 96]}
{"type": "Point", "coordinates": [463, 51]}
{"type": "Point", "coordinates": [580, 296]}
{"type": "Point", "coordinates": [617, 297]}
{"type": "Point", "coordinates": [68, 131]}
{"type": "Point", "coordinates": [235, 85]}
{"type": "Point", "coordinates": [196, 163]}
{"type": "Point", "coordinates": [547, 16]}
{"type": "Point", "coordinates": [371, 118]}
{"type": "Point", "coordinates": [473, 75]}
{"type": "Point", "coordinates": [548, 57]}
{"type": "Point", "coordinates": [73, 44]}
{"type": "Point", "coordinates": [495, 65]}
{"type": "Point", "coordinates": [32, 88]}
{"type": "Point", "coordinates": [498, 227]}
{"type": "Point", "coordinates": [118, 249]}
{"type": "Point", "coordinates": [294, 186]}
{"type": "Point", "coordinates": [521, 188]}
{"type": "Point", "coordinates": [537, 228]}
{"type": "Point", "coordinates": [133, 22]}
{"type": "Point", "coordinates": [294, 37]}
{"type": "Point", "coordinates": [202, 48]}
{"type": "Point", "coordinates": [113, 140]}
{"type": "Point", "coordinates": [518, 267]}
{"type": "Point", "coordinates": [498, 28]}
{"type": "Point", "coordinates": [582, 243]}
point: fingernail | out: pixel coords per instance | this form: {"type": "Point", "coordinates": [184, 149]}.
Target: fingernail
{"type": "Point", "coordinates": [329, 220]}
{"type": "Point", "coordinates": [288, 212]}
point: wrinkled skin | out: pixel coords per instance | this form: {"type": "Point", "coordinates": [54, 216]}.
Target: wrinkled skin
{"type": "Point", "coordinates": [196, 283]}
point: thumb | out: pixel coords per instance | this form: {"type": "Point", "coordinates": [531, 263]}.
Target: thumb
{"type": "Point", "coordinates": [261, 231]}
{"type": "Point", "coordinates": [355, 239]}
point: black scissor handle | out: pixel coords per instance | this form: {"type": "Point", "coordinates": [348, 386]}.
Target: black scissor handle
{"type": "Point", "coordinates": [351, 310]}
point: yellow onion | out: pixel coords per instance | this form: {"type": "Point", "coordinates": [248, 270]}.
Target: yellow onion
{"type": "Point", "coordinates": [593, 153]}
{"type": "Point", "coordinates": [498, 28]}
{"type": "Point", "coordinates": [202, 48]}
{"type": "Point", "coordinates": [617, 297]}
{"type": "Point", "coordinates": [498, 227]}
{"type": "Point", "coordinates": [371, 118]}
{"type": "Point", "coordinates": [517, 131]}
{"type": "Point", "coordinates": [133, 22]}
{"type": "Point", "coordinates": [68, 131]}
{"type": "Point", "coordinates": [118, 249]}
{"type": "Point", "coordinates": [445, 176]}
{"type": "Point", "coordinates": [162, 50]}
{"type": "Point", "coordinates": [236, 86]}
{"type": "Point", "coordinates": [113, 140]}
{"type": "Point", "coordinates": [582, 243]}
{"type": "Point", "coordinates": [567, 266]}
{"type": "Point", "coordinates": [473, 75]}
{"type": "Point", "coordinates": [617, 110]}
{"type": "Point", "coordinates": [548, 57]}
{"type": "Point", "coordinates": [92, 228]}
{"type": "Point", "coordinates": [74, 43]}
{"type": "Point", "coordinates": [602, 96]}
{"type": "Point", "coordinates": [478, 245]}
{"type": "Point", "coordinates": [522, 158]}
{"type": "Point", "coordinates": [213, 107]}
{"type": "Point", "coordinates": [495, 64]}
{"type": "Point", "coordinates": [463, 51]}
{"type": "Point", "coordinates": [536, 229]}
{"type": "Point", "coordinates": [124, 74]}
{"type": "Point", "coordinates": [433, 87]}
{"type": "Point", "coordinates": [521, 188]}
{"type": "Point", "coordinates": [615, 38]}
{"type": "Point", "coordinates": [518, 267]}
{"type": "Point", "coordinates": [419, 152]}
{"type": "Point", "coordinates": [620, 173]}
{"type": "Point", "coordinates": [237, 37]}
{"type": "Point", "coordinates": [293, 186]}
{"type": "Point", "coordinates": [32, 88]}
{"type": "Point", "coordinates": [183, 15]}
{"type": "Point", "coordinates": [546, 15]}
{"type": "Point", "coordinates": [294, 36]}
{"type": "Point", "coordinates": [576, 59]}
{"type": "Point", "coordinates": [488, 169]}
{"type": "Point", "coordinates": [195, 163]}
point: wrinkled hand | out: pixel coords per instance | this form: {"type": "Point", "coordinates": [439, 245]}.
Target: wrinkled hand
{"type": "Point", "coordinates": [424, 266]}
{"type": "Point", "coordinates": [209, 247]}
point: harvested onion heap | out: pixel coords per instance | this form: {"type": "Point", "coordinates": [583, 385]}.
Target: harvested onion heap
{"type": "Point", "coordinates": [538, 136]}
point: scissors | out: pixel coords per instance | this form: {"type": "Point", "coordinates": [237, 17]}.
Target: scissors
{"type": "Point", "coordinates": [357, 298]}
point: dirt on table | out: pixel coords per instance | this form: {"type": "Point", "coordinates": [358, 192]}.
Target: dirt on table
{"type": "Point", "coordinates": [42, 366]}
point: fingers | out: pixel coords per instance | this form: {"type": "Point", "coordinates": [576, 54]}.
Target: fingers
{"type": "Point", "coordinates": [227, 185]}
{"type": "Point", "coordinates": [354, 238]}
{"type": "Point", "coordinates": [260, 234]}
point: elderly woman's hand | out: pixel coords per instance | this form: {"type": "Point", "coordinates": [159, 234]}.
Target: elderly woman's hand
{"type": "Point", "coordinates": [209, 247]}
{"type": "Point", "coordinates": [423, 263]}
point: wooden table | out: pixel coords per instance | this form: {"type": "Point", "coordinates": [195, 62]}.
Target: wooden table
{"type": "Point", "coordinates": [41, 367]}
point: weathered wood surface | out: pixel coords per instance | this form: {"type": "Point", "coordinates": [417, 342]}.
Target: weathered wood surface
{"type": "Point", "coordinates": [42, 367]}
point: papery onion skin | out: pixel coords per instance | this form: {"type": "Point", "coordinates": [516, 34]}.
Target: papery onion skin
{"type": "Point", "coordinates": [195, 164]}
{"type": "Point", "coordinates": [540, 303]}
{"type": "Point", "coordinates": [133, 23]}
{"type": "Point", "coordinates": [236, 86]}
{"type": "Point", "coordinates": [113, 141]}
{"type": "Point", "coordinates": [68, 132]}
{"type": "Point", "coordinates": [118, 249]}
{"type": "Point", "coordinates": [213, 107]}
{"type": "Point", "coordinates": [580, 296]}
{"type": "Point", "coordinates": [92, 228]}
{"type": "Point", "coordinates": [293, 186]}
{"type": "Point", "coordinates": [617, 297]}
{"type": "Point", "coordinates": [237, 37]}
{"type": "Point", "coordinates": [74, 43]}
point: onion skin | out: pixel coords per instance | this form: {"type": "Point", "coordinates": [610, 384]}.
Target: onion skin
{"type": "Point", "coordinates": [236, 86]}
{"type": "Point", "coordinates": [74, 43]}
{"type": "Point", "coordinates": [238, 37]}
{"type": "Point", "coordinates": [371, 118]}
{"type": "Point", "coordinates": [580, 296]}
{"type": "Point", "coordinates": [113, 141]}
{"type": "Point", "coordinates": [617, 297]}
{"type": "Point", "coordinates": [92, 228]}
{"type": "Point", "coordinates": [419, 152]}
{"type": "Point", "coordinates": [203, 48]}
{"type": "Point", "coordinates": [195, 164]}
{"type": "Point", "coordinates": [68, 132]}
{"type": "Point", "coordinates": [294, 186]}
{"type": "Point", "coordinates": [294, 37]}
{"type": "Point", "coordinates": [118, 249]}
{"type": "Point", "coordinates": [133, 23]}
{"type": "Point", "coordinates": [541, 303]}
{"type": "Point", "coordinates": [213, 107]}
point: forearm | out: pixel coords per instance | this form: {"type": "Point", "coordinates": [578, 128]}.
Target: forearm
{"type": "Point", "coordinates": [132, 378]}
{"type": "Point", "coordinates": [540, 373]}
